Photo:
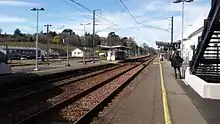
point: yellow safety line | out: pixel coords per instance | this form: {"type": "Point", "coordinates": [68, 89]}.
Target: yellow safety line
{"type": "Point", "coordinates": [164, 96]}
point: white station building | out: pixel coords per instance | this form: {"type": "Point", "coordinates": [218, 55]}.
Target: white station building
{"type": "Point", "coordinates": [207, 90]}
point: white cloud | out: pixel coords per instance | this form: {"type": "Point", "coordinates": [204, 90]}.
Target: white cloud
{"type": "Point", "coordinates": [16, 3]}
{"type": "Point", "coordinates": [163, 9]}
{"type": "Point", "coordinates": [10, 19]}
{"type": "Point", "coordinates": [27, 29]}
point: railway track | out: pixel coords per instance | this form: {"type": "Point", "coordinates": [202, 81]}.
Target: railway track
{"type": "Point", "coordinates": [83, 110]}
{"type": "Point", "coordinates": [34, 101]}
{"type": "Point", "coordinates": [30, 81]}
{"type": "Point", "coordinates": [30, 107]}
{"type": "Point", "coordinates": [26, 91]}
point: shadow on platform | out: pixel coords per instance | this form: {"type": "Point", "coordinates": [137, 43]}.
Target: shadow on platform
{"type": "Point", "coordinates": [209, 109]}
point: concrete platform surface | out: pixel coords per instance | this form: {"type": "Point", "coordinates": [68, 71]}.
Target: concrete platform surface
{"type": "Point", "coordinates": [182, 110]}
{"type": "Point", "coordinates": [145, 104]}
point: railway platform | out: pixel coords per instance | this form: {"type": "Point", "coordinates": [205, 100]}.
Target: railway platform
{"type": "Point", "coordinates": [155, 97]}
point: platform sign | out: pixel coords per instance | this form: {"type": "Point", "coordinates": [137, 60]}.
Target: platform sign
{"type": "Point", "coordinates": [177, 46]}
{"type": "Point", "coordinates": [65, 41]}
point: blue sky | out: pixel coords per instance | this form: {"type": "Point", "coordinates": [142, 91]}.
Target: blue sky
{"type": "Point", "coordinates": [156, 13]}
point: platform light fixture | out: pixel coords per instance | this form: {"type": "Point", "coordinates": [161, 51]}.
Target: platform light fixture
{"type": "Point", "coordinates": [84, 42]}
{"type": "Point", "coordinates": [183, 4]}
{"type": "Point", "coordinates": [37, 10]}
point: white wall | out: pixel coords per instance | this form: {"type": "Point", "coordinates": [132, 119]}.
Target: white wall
{"type": "Point", "coordinates": [77, 53]}
{"type": "Point", "coordinates": [187, 51]}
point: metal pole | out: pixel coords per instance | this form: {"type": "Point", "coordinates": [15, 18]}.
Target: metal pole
{"type": "Point", "coordinates": [171, 30]}
{"type": "Point", "coordinates": [110, 40]}
{"type": "Point", "coordinates": [6, 54]}
{"type": "Point", "coordinates": [84, 45]}
{"type": "Point", "coordinates": [47, 43]}
{"type": "Point", "coordinates": [67, 50]}
{"type": "Point", "coordinates": [182, 31]}
{"type": "Point", "coordinates": [36, 67]}
{"type": "Point", "coordinates": [182, 28]}
{"type": "Point", "coordinates": [171, 49]}
{"type": "Point", "coordinates": [110, 43]}
{"type": "Point", "coordinates": [93, 38]}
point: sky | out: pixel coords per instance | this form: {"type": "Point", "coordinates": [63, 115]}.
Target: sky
{"type": "Point", "coordinates": [111, 16]}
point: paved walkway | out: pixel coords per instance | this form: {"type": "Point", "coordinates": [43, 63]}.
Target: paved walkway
{"type": "Point", "coordinates": [145, 104]}
{"type": "Point", "coordinates": [181, 108]}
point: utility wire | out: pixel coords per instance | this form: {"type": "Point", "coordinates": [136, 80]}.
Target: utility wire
{"type": "Point", "coordinates": [105, 29]}
{"type": "Point", "coordinates": [90, 18]}
{"type": "Point", "coordinates": [56, 29]}
{"type": "Point", "coordinates": [123, 8]}
{"type": "Point", "coordinates": [126, 8]}
{"type": "Point", "coordinates": [81, 5]}
{"type": "Point", "coordinates": [89, 10]}
{"type": "Point", "coordinates": [149, 26]}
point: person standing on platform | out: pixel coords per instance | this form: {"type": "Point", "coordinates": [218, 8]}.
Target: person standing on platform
{"type": "Point", "coordinates": [176, 63]}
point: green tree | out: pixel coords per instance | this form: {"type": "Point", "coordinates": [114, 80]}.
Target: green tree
{"type": "Point", "coordinates": [42, 37]}
{"type": "Point", "coordinates": [74, 40]}
{"type": "Point", "coordinates": [124, 41]}
{"type": "Point", "coordinates": [114, 38]}
{"type": "Point", "coordinates": [53, 33]}
{"type": "Point", "coordinates": [145, 48]}
{"type": "Point", "coordinates": [17, 32]}
{"type": "Point", "coordinates": [56, 40]}
{"type": "Point", "coordinates": [89, 40]}
{"type": "Point", "coordinates": [66, 31]}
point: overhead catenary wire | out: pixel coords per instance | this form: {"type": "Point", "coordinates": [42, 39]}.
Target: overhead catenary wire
{"type": "Point", "coordinates": [123, 8]}
{"type": "Point", "coordinates": [89, 10]}
{"type": "Point", "coordinates": [90, 18]}
{"type": "Point", "coordinates": [126, 8]}
{"type": "Point", "coordinates": [140, 23]}
{"type": "Point", "coordinates": [61, 27]}
{"type": "Point", "coordinates": [105, 29]}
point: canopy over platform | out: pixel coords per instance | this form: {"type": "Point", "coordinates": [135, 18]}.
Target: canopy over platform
{"type": "Point", "coordinates": [166, 44]}
{"type": "Point", "coordinates": [120, 47]}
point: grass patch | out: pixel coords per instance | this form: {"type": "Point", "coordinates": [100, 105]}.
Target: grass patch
{"type": "Point", "coordinates": [40, 45]}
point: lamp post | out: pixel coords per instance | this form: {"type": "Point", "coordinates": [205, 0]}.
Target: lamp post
{"type": "Point", "coordinates": [37, 10]}
{"type": "Point", "coordinates": [67, 48]}
{"type": "Point", "coordinates": [84, 43]}
{"type": "Point", "coordinates": [182, 32]}
{"type": "Point", "coordinates": [93, 34]}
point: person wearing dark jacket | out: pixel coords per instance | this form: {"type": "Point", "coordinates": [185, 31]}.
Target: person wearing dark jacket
{"type": "Point", "coordinates": [176, 63]}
